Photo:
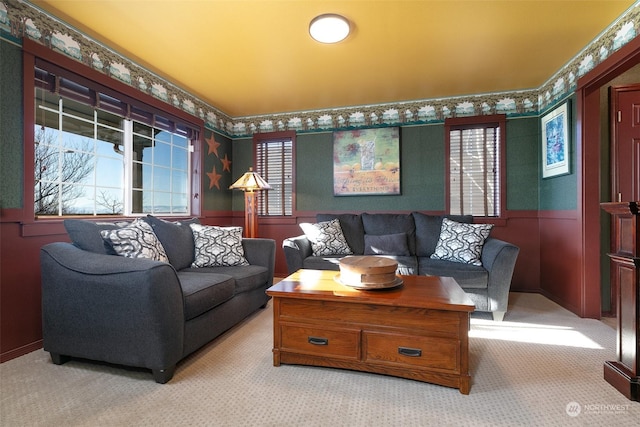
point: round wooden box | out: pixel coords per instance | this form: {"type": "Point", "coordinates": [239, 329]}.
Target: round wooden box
{"type": "Point", "coordinates": [368, 272]}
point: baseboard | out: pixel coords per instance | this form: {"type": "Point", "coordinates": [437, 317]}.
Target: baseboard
{"type": "Point", "coordinates": [20, 351]}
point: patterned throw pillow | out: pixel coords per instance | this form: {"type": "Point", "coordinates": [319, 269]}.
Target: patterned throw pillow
{"type": "Point", "coordinates": [217, 246]}
{"type": "Point", "coordinates": [326, 238]}
{"type": "Point", "coordinates": [136, 240]}
{"type": "Point", "coordinates": [461, 242]}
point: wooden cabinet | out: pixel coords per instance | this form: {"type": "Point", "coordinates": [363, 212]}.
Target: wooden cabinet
{"type": "Point", "coordinates": [409, 332]}
{"type": "Point", "coordinates": [624, 373]}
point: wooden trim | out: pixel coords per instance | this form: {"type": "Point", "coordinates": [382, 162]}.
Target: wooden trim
{"type": "Point", "coordinates": [588, 167]}
{"type": "Point", "coordinates": [572, 214]}
{"type": "Point", "coordinates": [20, 351]}
{"type": "Point", "coordinates": [43, 52]}
{"type": "Point", "coordinates": [11, 215]}
{"type": "Point", "coordinates": [196, 176]}
{"type": "Point", "coordinates": [28, 95]}
{"type": "Point", "coordinates": [44, 228]}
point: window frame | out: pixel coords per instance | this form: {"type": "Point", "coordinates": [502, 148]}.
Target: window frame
{"type": "Point", "coordinates": [461, 123]}
{"type": "Point", "coordinates": [260, 138]}
{"type": "Point", "coordinates": [34, 54]}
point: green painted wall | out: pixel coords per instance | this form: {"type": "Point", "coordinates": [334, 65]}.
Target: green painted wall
{"type": "Point", "coordinates": [523, 158]}
{"type": "Point", "coordinates": [242, 161]}
{"type": "Point", "coordinates": [216, 195]}
{"type": "Point", "coordinates": [11, 152]}
{"type": "Point", "coordinates": [422, 170]}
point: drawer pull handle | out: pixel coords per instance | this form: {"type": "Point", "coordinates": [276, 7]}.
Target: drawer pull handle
{"type": "Point", "coordinates": [411, 352]}
{"type": "Point", "coordinates": [318, 341]}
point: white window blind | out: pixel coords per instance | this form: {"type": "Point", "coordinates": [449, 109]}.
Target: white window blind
{"type": "Point", "coordinates": [274, 163]}
{"type": "Point", "coordinates": [474, 170]}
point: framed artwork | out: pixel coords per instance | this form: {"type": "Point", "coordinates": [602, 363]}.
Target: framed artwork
{"type": "Point", "coordinates": [366, 162]}
{"type": "Point", "coordinates": [555, 142]}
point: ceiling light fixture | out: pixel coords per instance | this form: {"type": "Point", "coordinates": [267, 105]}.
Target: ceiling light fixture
{"type": "Point", "coordinates": [329, 28]}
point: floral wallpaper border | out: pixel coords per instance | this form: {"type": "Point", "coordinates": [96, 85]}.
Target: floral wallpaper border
{"type": "Point", "coordinates": [19, 19]}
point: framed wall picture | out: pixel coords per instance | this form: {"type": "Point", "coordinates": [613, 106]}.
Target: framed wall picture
{"type": "Point", "coordinates": [366, 162]}
{"type": "Point", "coordinates": [555, 142]}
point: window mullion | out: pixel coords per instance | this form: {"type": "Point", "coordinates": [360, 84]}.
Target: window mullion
{"type": "Point", "coordinates": [461, 178]}
{"type": "Point", "coordinates": [283, 193]}
{"type": "Point", "coordinates": [484, 173]}
{"type": "Point", "coordinates": [59, 146]}
{"type": "Point", "coordinates": [128, 161]}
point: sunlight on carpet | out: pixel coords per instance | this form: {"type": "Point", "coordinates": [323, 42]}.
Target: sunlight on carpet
{"type": "Point", "coordinates": [530, 333]}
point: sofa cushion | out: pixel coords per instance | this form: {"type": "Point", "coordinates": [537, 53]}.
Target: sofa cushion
{"type": "Point", "coordinates": [468, 276]}
{"type": "Point", "coordinates": [86, 234]}
{"type": "Point", "coordinates": [202, 292]}
{"type": "Point", "coordinates": [352, 229]}
{"type": "Point", "coordinates": [461, 242]}
{"type": "Point", "coordinates": [407, 265]}
{"type": "Point", "coordinates": [217, 246]}
{"type": "Point", "coordinates": [176, 238]}
{"type": "Point", "coordinates": [326, 238]}
{"type": "Point", "coordinates": [386, 244]}
{"type": "Point", "coordinates": [428, 230]}
{"type": "Point", "coordinates": [136, 240]}
{"type": "Point", "coordinates": [329, 262]}
{"type": "Point", "coordinates": [381, 224]}
{"type": "Point", "coordinates": [246, 277]}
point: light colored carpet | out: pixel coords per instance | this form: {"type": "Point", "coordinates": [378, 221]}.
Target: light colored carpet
{"type": "Point", "coordinates": [526, 370]}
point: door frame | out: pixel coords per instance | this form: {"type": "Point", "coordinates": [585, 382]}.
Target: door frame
{"type": "Point", "coordinates": [588, 159]}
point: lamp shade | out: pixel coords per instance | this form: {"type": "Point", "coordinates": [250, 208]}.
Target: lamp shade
{"type": "Point", "coordinates": [329, 28]}
{"type": "Point", "coordinates": [250, 181]}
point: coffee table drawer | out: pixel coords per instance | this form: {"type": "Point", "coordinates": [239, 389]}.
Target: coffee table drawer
{"type": "Point", "coordinates": [398, 349]}
{"type": "Point", "coordinates": [343, 343]}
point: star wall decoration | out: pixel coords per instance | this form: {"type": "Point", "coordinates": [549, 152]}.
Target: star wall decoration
{"type": "Point", "coordinates": [214, 179]}
{"type": "Point", "coordinates": [226, 164]}
{"type": "Point", "coordinates": [213, 145]}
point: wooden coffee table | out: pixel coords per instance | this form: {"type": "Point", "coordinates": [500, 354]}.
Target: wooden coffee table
{"type": "Point", "coordinates": [418, 330]}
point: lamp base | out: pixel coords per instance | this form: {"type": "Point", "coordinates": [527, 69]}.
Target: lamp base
{"type": "Point", "coordinates": [250, 215]}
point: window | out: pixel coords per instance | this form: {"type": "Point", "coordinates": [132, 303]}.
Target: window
{"type": "Point", "coordinates": [95, 154]}
{"type": "Point", "coordinates": [474, 165]}
{"type": "Point", "coordinates": [274, 163]}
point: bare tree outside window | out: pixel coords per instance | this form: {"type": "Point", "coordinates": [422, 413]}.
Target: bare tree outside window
{"type": "Point", "coordinates": [58, 171]}
{"type": "Point", "coordinates": [113, 205]}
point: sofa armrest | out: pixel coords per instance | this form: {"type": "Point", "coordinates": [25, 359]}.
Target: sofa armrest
{"type": "Point", "coordinates": [111, 308]}
{"type": "Point", "coordinates": [499, 259]}
{"type": "Point", "coordinates": [261, 252]}
{"type": "Point", "coordinates": [296, 249]}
